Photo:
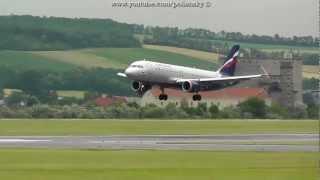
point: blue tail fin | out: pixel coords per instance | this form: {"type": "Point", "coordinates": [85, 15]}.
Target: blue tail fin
{"type": "Point", "coordinates": [229, 66]}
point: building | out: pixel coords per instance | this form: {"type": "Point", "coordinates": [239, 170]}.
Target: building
{"type": "Point", "coordinates": [222, 98]}
{"type": "Point", "coordinates": [2, 102]}
{"type": "Point", "coordinates": [105, 101]}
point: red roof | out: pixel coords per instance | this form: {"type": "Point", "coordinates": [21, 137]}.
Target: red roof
{"type": "Point", "coordinates": [226, 93]}
{"type": "Point", "coordinates": [107, 101]}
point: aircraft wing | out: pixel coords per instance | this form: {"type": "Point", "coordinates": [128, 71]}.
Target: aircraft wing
{"type": "Point", "coordinates": [222, 79]}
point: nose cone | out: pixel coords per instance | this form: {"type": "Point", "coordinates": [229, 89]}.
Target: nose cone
{"type": "Point", "coordinates": [129, 72]}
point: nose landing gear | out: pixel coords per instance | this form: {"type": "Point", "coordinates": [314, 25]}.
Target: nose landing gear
{"type": "Point", "coordinates": [163, 97]}
{"type": "Point", "coordinates": [196, 97]}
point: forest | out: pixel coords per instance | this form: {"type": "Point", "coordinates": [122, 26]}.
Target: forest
{"type": "Point", "coordinates": [52, 33]}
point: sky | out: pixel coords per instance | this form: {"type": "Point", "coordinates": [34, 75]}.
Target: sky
{"type": "Point", "coordinates": [262, 17]}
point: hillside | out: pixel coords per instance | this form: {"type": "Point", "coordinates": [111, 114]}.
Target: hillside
{"type": "Point", "coordinates": [59, 70]}
{"type": "Point", "coordinates": [52, 33]}
{"type": "Point", "coordinates": [116, 58]}
{"type": "Point", "coordinates": [210, 57]}
{"type": "Point", "coordinates": [21, 60]}
{"type": "Point", "coordinates": [119, 58]}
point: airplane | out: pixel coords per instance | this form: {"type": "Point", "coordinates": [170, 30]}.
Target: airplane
{"type": "Point", "coordinates": [146, 74]}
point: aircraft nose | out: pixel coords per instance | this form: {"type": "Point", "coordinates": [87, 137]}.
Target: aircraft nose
{"type": "Point", "coordinates": [129, 72]}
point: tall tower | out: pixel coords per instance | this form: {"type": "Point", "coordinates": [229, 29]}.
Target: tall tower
{"type": "Point", "coordinates": [286, 84]}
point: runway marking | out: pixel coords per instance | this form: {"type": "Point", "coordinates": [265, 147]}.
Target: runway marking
{"type": "Point", "coordinates": [123, 142]}
{"type": "Point", "coordinates": [21, 140]}
{"type": "Point", "coordinates": [190, 142]}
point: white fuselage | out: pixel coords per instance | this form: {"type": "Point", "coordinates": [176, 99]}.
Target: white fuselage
{"type": "Point", "coordinates": [148, 71]}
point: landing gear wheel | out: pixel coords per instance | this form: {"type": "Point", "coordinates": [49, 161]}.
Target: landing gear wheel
{"type": "Point", "coordinates": [196, 97]}
{"type": "Point", "coordinates": [163, 97]}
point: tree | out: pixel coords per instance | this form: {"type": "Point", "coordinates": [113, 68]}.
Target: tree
{"type": "Point", "coordinates": [230, 112]}
{"type": "Point", "coordinates": [214, 111]}
{"type": "Point", "coordinates": [21, 99]}
{"type": "Point", "coordinates": [152, 111]}
{"type": "Point", "coordinates": [32, 83]}
{"type": "Point", "coordinates": [277, 111]}
{"type": "Point", "coordinates": [42, 33]}
{"type": "Point", "coordinates": [253, 106]}
{"type": "Point", "coordinates": [313, 111]}
{"type": "Point", "coordinates": [1, 94]}
{"type": "Point", "coordinates": [172, 111]}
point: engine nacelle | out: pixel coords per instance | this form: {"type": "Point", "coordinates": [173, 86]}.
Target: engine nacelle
{"type": "Point", "coordinates": [190, 86]}
{"type": "Point", "coordinates": [136, 86]}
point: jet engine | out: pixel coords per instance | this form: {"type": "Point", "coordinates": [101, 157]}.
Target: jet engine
{"type": "Point", "coordinates": [136, 86]}
{"type": "Point", "coordinates": [190, 86]}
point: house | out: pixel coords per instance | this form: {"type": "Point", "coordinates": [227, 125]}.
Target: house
{"type": "Point", "coordinates": [222, 98]}
{"type": "Point", "coordinates": [2, 102]}
{"type": "Point", "coordinates": [109, 100]}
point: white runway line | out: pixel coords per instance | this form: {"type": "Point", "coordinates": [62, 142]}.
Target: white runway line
{"type": "Point", "coordinates": [123, 142]}
{"type": "Point", "coordinates": [21, 140]}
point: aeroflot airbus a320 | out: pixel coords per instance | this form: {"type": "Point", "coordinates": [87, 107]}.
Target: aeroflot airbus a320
{"type": "Point", "coordinates": [146, 74]}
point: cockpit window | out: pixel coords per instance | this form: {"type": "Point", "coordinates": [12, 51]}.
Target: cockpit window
{"type": "Point", "coordinates": [137, 66]}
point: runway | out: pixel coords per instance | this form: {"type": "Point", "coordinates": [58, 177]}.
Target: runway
{"type": "Point", "coordinates": [252, 142]}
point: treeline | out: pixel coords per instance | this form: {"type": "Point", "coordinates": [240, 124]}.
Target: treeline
{"type": "Point", "coordinates": [52, 33]}
{"type": "Point", "coordinates": [310, 59]}
{"type": "Point", "coordinates": [220, 47]}
{"type": "Point", "coordinates": [311, 84]}
{"type": "Point", "coordinates": [213, 42]}
{"type": "Point", "coordinates": [40, 83]}
{"type": "Point", "coordinates": [195, 33]}
{"type": "Point", "coordinates": [252, 108]}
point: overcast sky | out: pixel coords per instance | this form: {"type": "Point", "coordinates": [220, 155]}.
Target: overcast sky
{"type": "Point", "coordinates": [285, 17]}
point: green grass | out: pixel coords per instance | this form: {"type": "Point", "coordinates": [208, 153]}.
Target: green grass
{"type": "Point", "coordinates": [30, 164]}
{"type": "Point", "coordinates": [140, 127]}
{"type": "Point", "coordinates": [74, 94]}
{"type": "Point", "coordinates": [125, 56]}
{"type": "Point", "coordinates": [96, 57]}
{"type": "Point", "coordinates": [27, 61]}
{"type": "Point", "coordinates": [207, 56]}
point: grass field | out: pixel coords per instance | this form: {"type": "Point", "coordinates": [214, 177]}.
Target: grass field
{"type": "Point", "coordinates": [311, 72]}
{"type": "Point", "coordinates": [117, 58]}
{"type": "Point", "coordinates": [125, 56]}
{"type": "Point", "coordinates": [211, 57]}
{"type": "Point", "coordinates": [121, 57]}
{"type": "Point", "coordinates": [30, 164]}
{"type": "Point", "coordinates": [27, 61]}
{"type": "Point", "coordinates": [74, 94]}
{"type": "Point", "coordinates": [97, 57]}
{"type": "Point", "coordinates": [140, 127]}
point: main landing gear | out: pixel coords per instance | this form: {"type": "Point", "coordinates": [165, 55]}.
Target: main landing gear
{"type": "Point", "coordinates": [196, 97]}
{"type": "Point", "coordinates": [163, 96]}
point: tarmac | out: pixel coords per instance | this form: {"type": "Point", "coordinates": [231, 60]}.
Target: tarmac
{"type": "Point", "coordinates": [248, 142]}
